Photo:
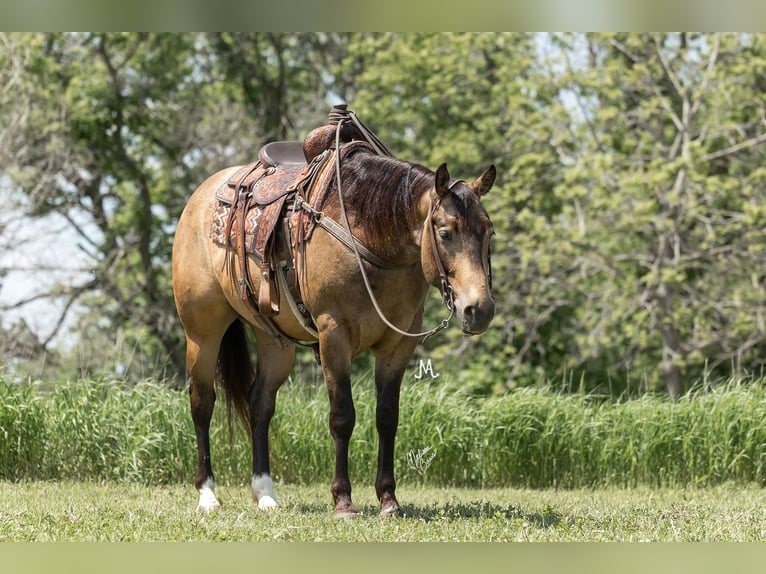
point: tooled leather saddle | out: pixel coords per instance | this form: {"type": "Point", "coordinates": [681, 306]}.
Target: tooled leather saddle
{"type": "Point", "coordinates": [256, 213]}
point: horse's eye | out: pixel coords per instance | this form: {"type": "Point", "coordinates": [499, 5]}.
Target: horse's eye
{"type": "Point", "coordinates": [445, 234]}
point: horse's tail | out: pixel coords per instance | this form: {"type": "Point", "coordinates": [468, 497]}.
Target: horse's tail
{"type": "Point", "coordinates": [235, 373]}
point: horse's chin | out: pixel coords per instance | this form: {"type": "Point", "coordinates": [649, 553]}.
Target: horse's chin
{"type": "Point", "coordinates": [471, 332]}
{"type": "Point", "coordinates": [471, 329]}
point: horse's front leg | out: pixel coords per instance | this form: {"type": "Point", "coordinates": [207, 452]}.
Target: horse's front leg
{"type": "Point", "coordinates": [335, 353]}
{"type": "Point", "coordinates": [389, 371]}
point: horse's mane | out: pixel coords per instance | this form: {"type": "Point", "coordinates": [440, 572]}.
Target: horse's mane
{"type": "Point", "coordinates": [381, 193]}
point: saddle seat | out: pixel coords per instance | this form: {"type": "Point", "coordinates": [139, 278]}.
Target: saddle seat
{"type": "Point", "coordinates": [282, 153]}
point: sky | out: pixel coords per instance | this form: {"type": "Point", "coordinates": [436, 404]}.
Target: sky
{"type": "Point", "coordinates": [38, 256]}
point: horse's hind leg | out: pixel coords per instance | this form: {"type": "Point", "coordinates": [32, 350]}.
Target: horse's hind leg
{"type": "Point", "coordinates": [202, 348]}
{"type": "Point", "coordinates": [273, 366]}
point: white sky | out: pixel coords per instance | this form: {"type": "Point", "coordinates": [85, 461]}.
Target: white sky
{"type": "Point", "coordinates": [37, 254]}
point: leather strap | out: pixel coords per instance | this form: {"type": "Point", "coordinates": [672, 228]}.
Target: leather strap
{"type": "Point", "coordinates": [245, 285]}
{"type": "Point", "coordinates": [342, 235]}
{"type": "Point", "coordinates": [447, 295]}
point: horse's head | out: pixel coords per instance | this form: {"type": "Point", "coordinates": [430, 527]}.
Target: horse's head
{"type": "Point", "coordinates": [455, 247]}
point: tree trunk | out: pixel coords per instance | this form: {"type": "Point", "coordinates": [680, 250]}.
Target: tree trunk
{"type": "Point", "coordinates": [671, 338]}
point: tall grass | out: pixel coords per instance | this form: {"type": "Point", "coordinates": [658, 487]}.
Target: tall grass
{"type": "Point", "coordinates": [93, 430]}
{"type": "Point", "coordinates": [532, 437]}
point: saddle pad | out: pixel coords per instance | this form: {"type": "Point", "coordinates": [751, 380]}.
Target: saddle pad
{"type": "Point", "coordinates": [221, 213]}
{"type": "Point", "coordinates": [260, 223]}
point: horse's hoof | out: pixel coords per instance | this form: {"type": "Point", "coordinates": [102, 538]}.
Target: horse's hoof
{"type": "Point", "coordinates": [267, 503]}
{"type": "Point", "coordinates": [208, 503]}
{"type": "Point", "coordinates": [392, 510]}
{"type": "Point", "coordinates": [208, 508]}
{"type": "Point", "coordinates": [345, 513]}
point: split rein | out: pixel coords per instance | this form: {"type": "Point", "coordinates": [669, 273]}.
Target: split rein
{"type": "Point", "coordinates": [346, 116]}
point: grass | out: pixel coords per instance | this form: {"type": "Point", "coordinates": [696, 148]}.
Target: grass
{"type": "Point", "coordinates": [536, 438]}
{"type": "Point", "coordinates": [83, 511]}
{"type": "Point", "coordinates": [94, 461]}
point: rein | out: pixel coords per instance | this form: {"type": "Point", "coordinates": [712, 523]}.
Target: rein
{"type": "Point", "coordinates": [340, 233]}
{"type": "Point", "coordinates": [346, 116]}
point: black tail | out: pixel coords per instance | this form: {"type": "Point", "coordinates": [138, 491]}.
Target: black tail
{"type": "Point", "coordinates": [235, 373]}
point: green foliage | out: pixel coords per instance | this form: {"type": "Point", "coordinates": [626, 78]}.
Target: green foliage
{"type": "Point", "coordinates": [472, 100]}
{"type": "Point", "coordinates": [117, 131]}
{"type": "Point", "coordinates": [628, 207]}
{"type": "Point", "coordinates": [97, 431]}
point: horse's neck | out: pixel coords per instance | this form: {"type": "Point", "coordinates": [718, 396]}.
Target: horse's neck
{"type": "Point", "coordinates": [409, 248]}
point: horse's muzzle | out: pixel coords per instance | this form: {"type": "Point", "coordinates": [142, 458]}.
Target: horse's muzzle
{"type": "Point", "coordinates": [475, 318]}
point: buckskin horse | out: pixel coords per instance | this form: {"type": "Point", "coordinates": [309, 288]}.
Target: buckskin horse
{"type": "Point", "coordinates": [346, 241]}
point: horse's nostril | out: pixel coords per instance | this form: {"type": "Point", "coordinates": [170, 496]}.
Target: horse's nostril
{"type": "Point", "coordinates": [476, 317]}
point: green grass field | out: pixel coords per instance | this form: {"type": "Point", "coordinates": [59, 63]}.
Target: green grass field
{"type": "Point", "coordinates": [100, 461]}
{"type": "Point", "coordinates": [83, 511]}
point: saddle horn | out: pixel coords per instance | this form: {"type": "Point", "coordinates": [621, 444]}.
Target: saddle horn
{"type": "Point", "coordinates": [350, 128]}
{"type": "Point", "coordinates": [323, 137]}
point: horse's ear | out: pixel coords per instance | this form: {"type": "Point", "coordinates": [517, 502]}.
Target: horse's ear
{"type": "Point", "coordinates": [441, 181]}
{"type": "Point", "coordinates": [485, 181]}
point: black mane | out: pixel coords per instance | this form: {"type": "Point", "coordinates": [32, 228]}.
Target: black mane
{"type": "Point", "coordinates": [380, 194]}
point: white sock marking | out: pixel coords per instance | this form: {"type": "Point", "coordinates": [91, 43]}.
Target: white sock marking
{"type": "Point", "coordinates": [263, 491]}
{"type": "Point", "coordinates": [207, 500]}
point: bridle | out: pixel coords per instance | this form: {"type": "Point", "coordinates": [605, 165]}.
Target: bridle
{"type": "Point", "coordinates": [448, 297]}
{"type": "Point", "coordinates": [446, 288]}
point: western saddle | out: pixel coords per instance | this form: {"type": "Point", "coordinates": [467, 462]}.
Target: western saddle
{"type": "Point", "coordinates": [268, 208]}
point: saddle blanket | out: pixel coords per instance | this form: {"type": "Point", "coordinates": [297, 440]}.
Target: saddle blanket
{"type": "Point", "coordinates": [218, 226]}
{"type": "Point", "coordinates": [221, 213]}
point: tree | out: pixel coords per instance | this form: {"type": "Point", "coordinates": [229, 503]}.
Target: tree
{"type": "Point", "coordinates": [111, 133]}
{"type": "Point", "coordinates": [669, 197]}
{"type": "Point", "coordinates": [629, 207]}
{"type": "Point", "coordinates": [471, 100]}
{"type": "Point", "coordinates": [281, 78]}
{"type": "Point", "coordinates": [95, 136]}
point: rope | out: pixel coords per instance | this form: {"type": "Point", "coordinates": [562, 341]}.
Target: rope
{"type": "Point", "coordinates": [341, 116]}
